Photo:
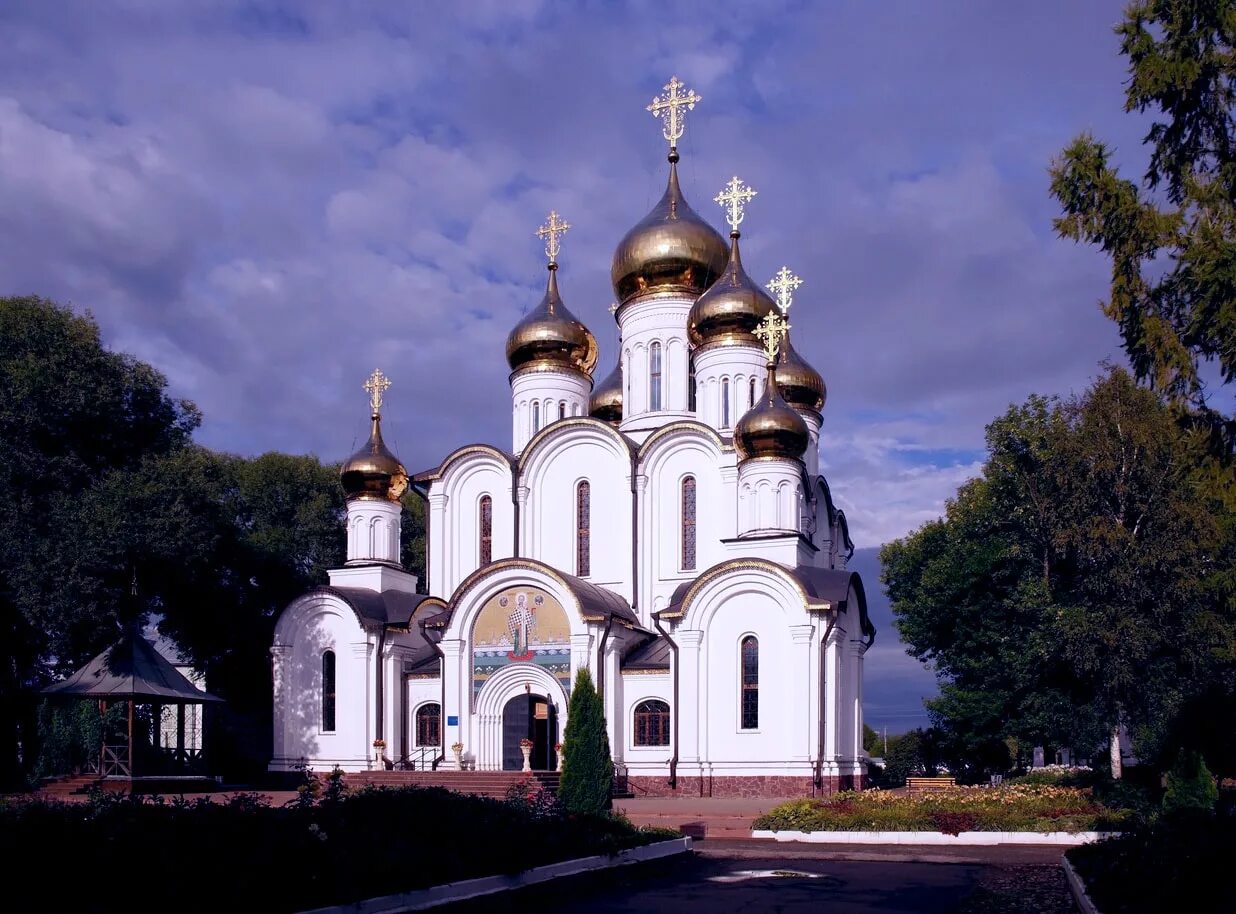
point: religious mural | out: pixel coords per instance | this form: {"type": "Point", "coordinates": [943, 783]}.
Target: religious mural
{"type": "Point", "coordinates": [521, 625]}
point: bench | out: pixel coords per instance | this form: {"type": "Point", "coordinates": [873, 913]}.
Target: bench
{"type": "Point", "coordinates": [930, 783]}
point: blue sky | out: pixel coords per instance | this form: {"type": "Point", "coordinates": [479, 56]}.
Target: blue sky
{"type": "Point", "coordinates": [266, 201]}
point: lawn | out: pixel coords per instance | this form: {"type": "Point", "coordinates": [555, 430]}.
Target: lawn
{"type": "Point", "coordinates": [1021, 807]}
{"type": "Point", "coordinates": [149, 855]}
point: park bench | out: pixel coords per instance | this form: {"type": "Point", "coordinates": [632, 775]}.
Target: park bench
{"type": "Point", "coordinates": [930, 783]}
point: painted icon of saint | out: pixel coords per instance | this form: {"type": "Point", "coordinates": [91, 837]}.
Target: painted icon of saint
{"type": "Point", "coordinates": [520, 622]}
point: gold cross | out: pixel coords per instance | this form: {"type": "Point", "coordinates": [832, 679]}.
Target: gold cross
{"type": "Point", "coordinates": [734, 198]}
{"type": "Point", "coordinates": [377, 385]}
{"type": "Point", "coordinates": [613, 308]}
{"type": "Point", "coordinates": [552, 231]}
{"type": "Point", "coordinates": [770, 331]}
{"type": "Point", "coordinates": [783, 285]}
{"type": "Point", "coordinates": [668, 105]}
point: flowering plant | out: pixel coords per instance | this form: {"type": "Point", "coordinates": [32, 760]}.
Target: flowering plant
{"type": "Point", "coordinates": [557, 747]}
{"type": "Point", "coordinates": [526, 743]}
{"type": "Point", "coordinates": [379, 744]}
{"type": "Point", "coordinates": [457, 747]}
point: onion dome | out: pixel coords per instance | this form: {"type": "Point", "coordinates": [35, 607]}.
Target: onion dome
{"type": "Point", "coordinates": [606, 400]}
{"type": "Point", "coordinates": [799, 383]}
{"type": "Point", "coordinates": [732, 308]}
{"type": "Point", "coordinates": [550, 336]}
{"type": "Point", "coordinates": [771, 428]}
{"type": "Point", "coordinates": [374, 472]}
{"type": "Point", "coordinates": [670, 250]}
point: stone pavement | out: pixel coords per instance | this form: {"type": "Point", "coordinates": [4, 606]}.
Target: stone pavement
{"type": "Point", "coordinates": [699, 817]}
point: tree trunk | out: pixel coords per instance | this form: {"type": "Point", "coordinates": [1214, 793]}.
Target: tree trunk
{"type": "Point", "coordinates": [1117, 767]}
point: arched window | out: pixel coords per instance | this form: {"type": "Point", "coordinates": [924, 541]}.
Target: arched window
{"type": "Point", "coordinates": [536, 417]}
{"type": "Point", "coordinates": [562, 409]}
{"type": "Point", "coordinates": [583, 529]}
{"type": "Point", "coordinates": [691, 392]}
{"type": "Point", "coordinates": [725, 402]}
{"type": "Point", "coordinates": [751, 401]}
{"type": "Point", "coordinates": [688, 523]}
{"type": "Point", "coordinates": [654, 376]}
{"type": "Point", "coordinates": [750, 683]}
{"type": "Point", "coordinates": [328, 691]}
{"type": "Point", "coordinates": [652, 723]}
{"type": "Point", "coordinates": [429, 725]}
{"type": "Point", "coordinates": [487, 530]}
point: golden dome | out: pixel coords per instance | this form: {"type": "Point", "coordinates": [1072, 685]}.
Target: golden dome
{"type": "Point", "coordinates": [606, 400]}
{"type": "Point", "coordinates": [670, 250]}
{"type": "Point", "coordinates": [799, 383]}
{"type": "Point", "coordinates": [373, 471]}
{"type": "Point", "coordinates": [732, 307]}
{"type": "Point", "coordinates": [771, 428]}
{"type": "Point", "coordinates": [550, 336]}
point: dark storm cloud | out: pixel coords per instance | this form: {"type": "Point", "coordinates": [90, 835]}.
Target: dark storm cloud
{"type": "Point", "coordinates": [266, 201]}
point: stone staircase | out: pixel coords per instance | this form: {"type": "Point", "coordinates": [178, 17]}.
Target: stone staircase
{"type": "Point", "coordinates": [480, 783]}
{"type": "Point", "coordinates": [69, 786]}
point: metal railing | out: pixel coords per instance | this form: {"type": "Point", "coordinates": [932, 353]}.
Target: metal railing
{"type": "Point", "coordinates": [420, 759]}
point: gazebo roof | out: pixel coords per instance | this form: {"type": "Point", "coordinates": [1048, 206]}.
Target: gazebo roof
{"type": "Point", "coordinates": [131, 669]}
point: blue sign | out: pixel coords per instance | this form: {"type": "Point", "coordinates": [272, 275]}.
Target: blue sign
{"type": "Point", "coordinates": [452, 720]}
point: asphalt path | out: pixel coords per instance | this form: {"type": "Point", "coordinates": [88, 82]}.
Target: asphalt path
{"type": "Point", "coordinates": [719, 882]}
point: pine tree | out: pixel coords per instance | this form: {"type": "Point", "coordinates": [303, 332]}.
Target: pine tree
{"type": "Point", "coordinates": [587, 769]}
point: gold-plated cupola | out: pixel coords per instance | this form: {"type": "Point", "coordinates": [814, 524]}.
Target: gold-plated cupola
{"type": "Point", "coordinates": [800, 384]}
{"type": "Point", "coordinates": [373, 471]}
{"type": "Point", "coordinates": [771, 429]}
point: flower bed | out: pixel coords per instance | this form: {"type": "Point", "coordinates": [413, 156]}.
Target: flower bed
{"type": "Point", "coordinates": [1017, 808]}
{"type": "Point", "coordinates": [339, 847]}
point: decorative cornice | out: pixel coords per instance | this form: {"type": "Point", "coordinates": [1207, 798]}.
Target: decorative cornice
{"type": "Point", "coordinates": [460, 453]}
{"type": "Point", "coordinates": [683, 425]}
{"type": "Point", "coordinates": [562, 425]}
{"type": "Point", "coordinates": [810, 604]}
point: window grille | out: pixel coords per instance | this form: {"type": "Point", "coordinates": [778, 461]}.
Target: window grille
{"type": "Point", "coordinates": [583, 534]}
{"type": "Point", "coordinates": [688, 523]}
{"type": "Point", "coordinates": [652, 723]}
{"type": "Point", "coordinates": [750, 683]}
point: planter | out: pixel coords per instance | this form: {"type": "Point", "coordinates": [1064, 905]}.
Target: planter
{"type": "Point", "coordinates": [458, 753]}
{"type": "Point", "coordinates": [527, 751]}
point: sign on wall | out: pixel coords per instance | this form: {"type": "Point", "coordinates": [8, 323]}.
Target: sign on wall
{"type": "Point", "coordinates": [521, 625]}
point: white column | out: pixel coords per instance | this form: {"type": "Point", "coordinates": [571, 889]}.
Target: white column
{"type": "Point", "coordinates": [456, 694]}
{"type": "Point", "coordinates": [581, 655]}
{"type": "Point", "coordinates": [645, 513]}
{"type": "Point", "coordinates": [363, 657]}
{"type": "Point", "coordinates": [436, 557]}
{"type": "Point", "coordinates": [831, 696]}
{"type": "Point", "coordinates": [280, 655]}
{"type": "Point", "coordinates": [692, 696]}
{"type": "Point", "coordinates": [800, 700]}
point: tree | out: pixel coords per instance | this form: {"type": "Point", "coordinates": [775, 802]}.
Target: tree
{"type": "Point", "coordinates": [1069, 588]}
{"type": "Point", "coordinates": [1172, 241]}
{"type": "Point", "coordinates": [587, 769]}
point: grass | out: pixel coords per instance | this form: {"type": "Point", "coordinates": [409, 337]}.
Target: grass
{"type": "Point", "coordinates": [1026, 808]}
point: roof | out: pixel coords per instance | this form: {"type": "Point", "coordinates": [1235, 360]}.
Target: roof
{"type": "Point", "coordinates": [131, 668]}
{"type": "Point", "coordinates": [387, 607]}
{"type": "Point", "coordinates": [651, 655]}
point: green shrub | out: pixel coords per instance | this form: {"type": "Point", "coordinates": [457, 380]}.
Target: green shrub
{"type": "Point", "coordinates": [587, 768]}
{"type": "Point", "coordinates": [1190, 785]}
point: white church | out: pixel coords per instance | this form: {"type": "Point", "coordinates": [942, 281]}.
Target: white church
{"type": "Point", "coordinates": [666, 527]}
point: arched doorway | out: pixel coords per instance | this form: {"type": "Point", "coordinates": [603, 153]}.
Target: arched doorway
{"type": "Point", "coordinates": [529, 716]}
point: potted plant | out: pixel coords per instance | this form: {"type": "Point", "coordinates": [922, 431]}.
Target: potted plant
{"type": "Point", "coordinates": [558, 753]}
{"type": "Point", "coordinates": [457, 749]}
{"type": "Point", "coordinates": [379, 751]}
{"type": "Point", "coordinates": [525, 746]}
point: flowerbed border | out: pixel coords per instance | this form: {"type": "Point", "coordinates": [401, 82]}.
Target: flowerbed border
{"type": "Point", "coordinates": [1078, 887]}
{"type": "Point", "coordinates": [974, 838]}
{"type": "Point", "coordinates": [451, 892]}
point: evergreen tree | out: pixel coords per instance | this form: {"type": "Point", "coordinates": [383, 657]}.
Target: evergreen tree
{"type": "Point", "coordinates": [1190, 785]}
{"type": "Point", "coordinates": [587, 769]}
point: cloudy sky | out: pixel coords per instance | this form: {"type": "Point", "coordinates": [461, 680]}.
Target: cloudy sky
{"type": "Point", "coordinates": [268, 200]}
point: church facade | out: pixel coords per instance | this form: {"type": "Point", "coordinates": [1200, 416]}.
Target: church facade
{"type": "Point", "coordinates": [666, 527]}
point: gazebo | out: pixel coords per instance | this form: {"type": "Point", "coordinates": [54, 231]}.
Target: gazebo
{"type": "Point", "coordinates": [131, 670]}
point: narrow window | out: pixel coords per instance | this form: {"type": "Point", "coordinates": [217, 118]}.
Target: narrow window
{"type": "Point", "coordinates": [583, 544]}
{"type": "Point", "coordinates": [725, 402]}
{"type": "Point", "coordinates": [429, 725]}
{"type": "Point", "coordinates": [652, 723]}
{"type": "Point", "coordinates": [536, 417]}
{"type": "Point", "coordinates": [750, 683]}
{"type": "Point", "coordinates": [691, 393]}
{"type": "Point", "coordinates": [751, 401]}
{"type": "Point", "coordinates": [328, 691]}
{"type": "Point", "coordinates": [654, 377]}
{"type": "Point", "coordinates": [487, 530]}
{"type": "Point", "coordinates": [562, 409]}
{"type": "Point", "coordinates": [688, 523]}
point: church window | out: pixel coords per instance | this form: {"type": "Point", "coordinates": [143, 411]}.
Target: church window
{"type": "Point", "coordinates": [654, 377]}
{"type": "Point", "coordinates": [725, 402]}
{"type": "Point", "coordinates": [536, 417]}
{"type": "Point", "coordinates": [583, 532]}
{"type": "Point", "coordinates": [487, 530]}
{"type": "Point", "coordinates": [751, 400]}
{"type": "Point", "coordinates": [328, 691]}
{"type": "Point", "coordinates": [652, 722]}
{"type": "Point", "coordinates": [750, 683]}
{"type": "Point", "coordinates": [688, 523]}
{"type": "Point", "coordinates": [562, 409]}
{"type": "Point", "coordinates": [691, 392]}
{"type": "Point", "coordinates": [429, 725]}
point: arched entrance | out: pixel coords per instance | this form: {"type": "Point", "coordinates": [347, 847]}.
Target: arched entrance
{"type": "Point", "coordinates": [529, 716]}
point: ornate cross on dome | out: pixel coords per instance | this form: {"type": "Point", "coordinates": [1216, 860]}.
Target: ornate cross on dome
{"type": "Point", "coordinates": [770, 331]}
{"type": "Point", "coordinates": [734, 199]}
{"type": "Point", "coordinates": [553, 229]}
{"type": "Point", "coordinates": [669, 105]}
{"type": "Point", "coordinates": [782, 286]}
{"type": "Point", "coordinates": [377, 385]}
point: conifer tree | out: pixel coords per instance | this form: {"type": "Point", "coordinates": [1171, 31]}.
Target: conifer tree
{"type": "Point", "coordinates": [587, 769]}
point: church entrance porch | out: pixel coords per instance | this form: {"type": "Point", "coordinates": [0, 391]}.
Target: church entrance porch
{"type": "Point", "coordinates": [532, 717]}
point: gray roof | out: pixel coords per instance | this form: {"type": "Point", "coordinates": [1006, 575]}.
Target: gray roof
{"type": "Point", "coordinates": [388, 607]}
{"type": "Point", "coordinates": [131, 669]}
{"type": "Point", "coordinates": [651, 655]}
